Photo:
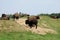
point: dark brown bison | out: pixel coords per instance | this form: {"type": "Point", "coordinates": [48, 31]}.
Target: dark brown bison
{"type": "Point", "coordinates": [55, 17]}
{"type": "Point", "coordinates": [32, 21]}
{"type": "Point", "coordinates": [5, 17]}
{"type": "Point", "coordinates": [16, 16]}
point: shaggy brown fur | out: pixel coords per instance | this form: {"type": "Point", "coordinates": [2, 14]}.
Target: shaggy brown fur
{"type": "Point", "coordinates": [33, 20]}
{"type": "Point", "coordinates": [16, 16]}
{"type": "Point", "coordinates": [5, 17]}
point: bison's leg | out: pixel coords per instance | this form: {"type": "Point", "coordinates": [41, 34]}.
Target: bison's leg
{"type": "Point", "coordinates": [36, 22]}
{"type": "Point", "coordinates": [30, 25]}
{"type": "Point", "coordinates": [36, 26]}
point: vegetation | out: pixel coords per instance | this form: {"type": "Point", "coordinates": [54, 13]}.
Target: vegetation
{"type": "Point", "coordinates": [47, 14]}
{"type": "Point", "coordinates": [24, 35]}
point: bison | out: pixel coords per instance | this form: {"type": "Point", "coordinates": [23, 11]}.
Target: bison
{"type": "Point", "coordinates": [55, 17]}
{"type": "Point", "coordinates": [32, 21]}
{"type": "Point", "coordinates": [16, 16]}
{"type": "Point", "coordinates": [5, 17]}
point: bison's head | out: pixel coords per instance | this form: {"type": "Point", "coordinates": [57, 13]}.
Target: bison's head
{"type": "Point", "coordinates": [3, 15]}
{"type": "Point", "coordinates": [37, 17]}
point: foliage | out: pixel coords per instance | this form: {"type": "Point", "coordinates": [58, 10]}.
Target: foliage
{"type": "Point", "coordinates": [52, 14]}
{"type": "Point", "coordinates": [24, 35]}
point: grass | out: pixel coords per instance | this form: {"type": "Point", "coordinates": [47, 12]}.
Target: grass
{"type": "Point", "coordinates": [27, 36]}
{"type": "Point", "coordinates": [10, 25]}
{"type": "Point", "coordinates": [24, 35]}
{"type": "Point", "coordinates": [51, 23]}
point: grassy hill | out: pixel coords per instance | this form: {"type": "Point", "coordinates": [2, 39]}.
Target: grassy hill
{"type": "Point", "coordinates": [10, 30]}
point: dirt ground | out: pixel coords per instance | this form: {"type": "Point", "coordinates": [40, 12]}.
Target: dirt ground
{"type": "Point", "coordinates": [39, 30]}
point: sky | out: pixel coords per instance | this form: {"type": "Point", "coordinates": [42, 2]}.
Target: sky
{"type": "Point", "coordinates": [31, 7]}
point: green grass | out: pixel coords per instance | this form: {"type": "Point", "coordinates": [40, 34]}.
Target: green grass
{"type": "Point", "coordinates": [27, 36]}
{"type": "Point", "coordinates": [51, 23]}
{"type": "Point", "coordinates": [24, 35]}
